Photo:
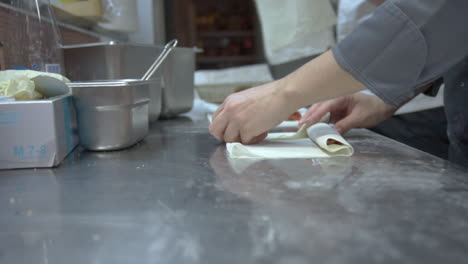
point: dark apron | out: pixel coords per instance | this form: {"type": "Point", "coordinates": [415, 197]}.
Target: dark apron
{"type": "Point", "coordinates": [456, 110]}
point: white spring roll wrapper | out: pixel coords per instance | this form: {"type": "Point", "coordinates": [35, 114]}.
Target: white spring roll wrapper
{"type": "Point", "coordinates": [305, 143]}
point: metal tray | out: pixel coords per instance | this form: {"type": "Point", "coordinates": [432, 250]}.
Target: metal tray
{"type": "Point", "coordinates": [113, 60]}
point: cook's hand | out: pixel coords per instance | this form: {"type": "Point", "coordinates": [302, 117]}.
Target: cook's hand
{"type": "Point", "coordinates": [247, 116]}
{"type": "Point", "coordinates": [353, 111]}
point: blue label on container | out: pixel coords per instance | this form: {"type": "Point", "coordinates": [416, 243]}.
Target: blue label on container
{"type": "Point", "coordinates": [30, 152]}
{"type": "Point", "coordinates": [9, 118]}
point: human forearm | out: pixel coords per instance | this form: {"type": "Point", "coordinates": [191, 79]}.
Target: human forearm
{"type": "Point", "coordinates": [318, 80]}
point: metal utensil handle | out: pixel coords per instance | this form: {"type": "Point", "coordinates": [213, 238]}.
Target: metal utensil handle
{"type": "Point", "coordinates": [167, 49]}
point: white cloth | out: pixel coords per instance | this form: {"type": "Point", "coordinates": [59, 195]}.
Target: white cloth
{"type": "Point", "coordinates": [350, 12]}
{"type": "Point", "coordinates": [295, 29]}
{"type": "Point", "coordinates": [256, 73]}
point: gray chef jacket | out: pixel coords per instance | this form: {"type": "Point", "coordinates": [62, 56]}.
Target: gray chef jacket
{"type": "Point", "coordinates": [404, 45]}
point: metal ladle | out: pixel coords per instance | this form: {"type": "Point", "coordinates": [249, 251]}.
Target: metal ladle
{"type": "Point", "coordinates": [167, 49]}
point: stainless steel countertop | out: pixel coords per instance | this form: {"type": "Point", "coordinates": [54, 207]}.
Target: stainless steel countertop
{"type": "Point", "coordinates": [175, 198]}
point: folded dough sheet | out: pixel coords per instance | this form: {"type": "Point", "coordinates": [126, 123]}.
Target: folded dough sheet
{"type": "Point", "coordinates": [316, 141]}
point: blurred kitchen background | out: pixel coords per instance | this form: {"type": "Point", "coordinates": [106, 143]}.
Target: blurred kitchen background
{"type": "Point", "coordinates": [224, 46]}
{"type": "Point", "coordinates": [243, 42]}
{"type": "Point", "coordinates": [227, 31]}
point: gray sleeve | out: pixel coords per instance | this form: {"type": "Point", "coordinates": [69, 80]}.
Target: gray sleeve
{"type": "Point", "coordinates": [405, 44]}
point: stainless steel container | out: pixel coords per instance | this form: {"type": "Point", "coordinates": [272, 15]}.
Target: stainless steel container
{"type": "Point", "coordinates": [155, 95]}
{"type": "Point", "coordinates": [111, 114]}
{"type": "Point", "coordinates": [111, 60]}
{"type": "Point", "coordinates": [177, 74]}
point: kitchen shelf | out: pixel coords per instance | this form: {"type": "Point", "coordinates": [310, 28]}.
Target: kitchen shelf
{"type": "Point", "coordinates": [227, 31]}
{"type": "Point", "coordinates": [98, 34]}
